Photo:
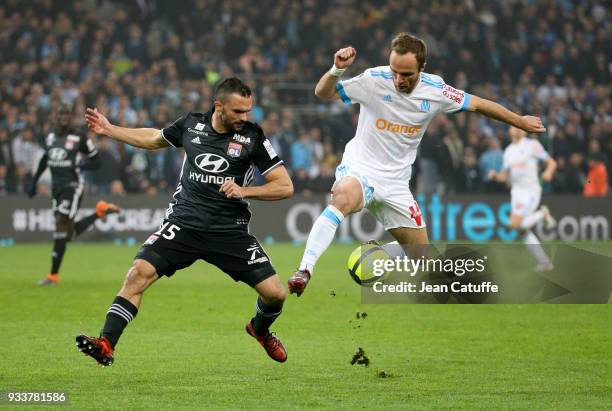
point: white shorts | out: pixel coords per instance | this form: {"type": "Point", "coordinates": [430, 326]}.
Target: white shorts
{"type": "Point", "coordinates": [391, 202]}
{"type": "Point", "coordinates": [525, 201]}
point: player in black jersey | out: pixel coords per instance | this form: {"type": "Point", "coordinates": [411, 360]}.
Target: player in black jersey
{"type": "Point", "coordinates": [208, 217]}
{"type": "Point", "coordinates": [66, 153]}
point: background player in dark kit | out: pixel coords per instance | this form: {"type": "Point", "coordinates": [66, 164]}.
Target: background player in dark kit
{"type": "Point", "coordinates": [208, 217]}
{"type": "Point", "coordinates": [66, 153]}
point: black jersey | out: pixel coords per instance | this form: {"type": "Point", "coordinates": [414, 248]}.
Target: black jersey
{"type": "Point", "coordinates": [62, 151]}
{"type": "Point", "coordinates": [211, 159]}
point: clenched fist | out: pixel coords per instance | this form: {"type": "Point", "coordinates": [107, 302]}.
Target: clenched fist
{"type": "Point", "coordinates": [344, 57]}
{"type": "Point", "coordinates": [232, 190]}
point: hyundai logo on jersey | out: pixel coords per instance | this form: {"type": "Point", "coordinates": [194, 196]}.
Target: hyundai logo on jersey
{"type": "Point", "coordinates": [211, 163]}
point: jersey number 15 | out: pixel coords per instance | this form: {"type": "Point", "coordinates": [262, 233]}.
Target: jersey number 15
{"type": "Point", "coordinates": [167, 230]}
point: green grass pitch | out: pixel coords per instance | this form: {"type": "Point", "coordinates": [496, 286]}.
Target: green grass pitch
{"type": "Point", "coordinates": [188, 349]}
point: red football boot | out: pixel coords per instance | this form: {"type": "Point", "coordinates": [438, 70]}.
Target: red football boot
{"type": "Point", "coordinates": [298, 282]}
{"type": "Point", "coordinates": [270, 342]}
{"type": "Point", "coordinates": [100, 349]}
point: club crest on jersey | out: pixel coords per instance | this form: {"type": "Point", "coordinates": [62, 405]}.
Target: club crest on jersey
{"type": "Point", "coordinates": [425, 106]}
{"type": "Point", "coordinates": [388, 98]}
{"type": "Point", "coordinates": [199, 126]}
{"type": "Point", "coordinates": [234, 149]}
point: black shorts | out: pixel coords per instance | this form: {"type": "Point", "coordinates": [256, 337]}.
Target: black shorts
{"type": "Point", "coordinates": [67, 201]}
{"type": "Point", "coordinates": [237, 253]}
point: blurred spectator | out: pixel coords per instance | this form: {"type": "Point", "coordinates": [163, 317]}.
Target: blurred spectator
{"type": "Point", "coordinates": [317, 152]}
{"type": "Point", "coordinates": [594, 151]}
{"type": "Point", "coordinates": [302, 184]}
{"type": "Point", "coordinates": [301, 153]}
{"type": "Point", "coordinates": [491, 159]}
{"type": "Point", "coordinates": [452, 157]}
{"type": "Point", "coordinates": [26, 154]}
{"type": "Point", "coordinates": [7, 163]}
{"type": "Point", "coordinates": [470, 181]}
{"type": "Point", "coordinates": [559, 183]}
{"type": "Point", "coordinates": [597, 178]}
{"type": "Point", "coordinates": [109, 172]}
{"type": "Point", "coordinates": [574, 175]}
{"type": "Point", "coordinates": [3, 181]}
{"type": "Point", "coordinates": [136, 167]}
{"type": "Point", "coordinates": [330, 161]}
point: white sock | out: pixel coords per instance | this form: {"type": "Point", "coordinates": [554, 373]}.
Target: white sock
{"type": "Point", "coordinates": [532, 219]}
{"type": "Point", "coordinates": [533, 245]}
{"type": "Point", "coordinates": [320, 237]}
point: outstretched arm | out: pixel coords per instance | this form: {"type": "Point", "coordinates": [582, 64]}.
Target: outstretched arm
{"type": "Point", "coordinates": [326, 87]}
{"type": "Point", "coordinates": [147, 138]}
{"type": "Point", "coordinates": [498, 112]}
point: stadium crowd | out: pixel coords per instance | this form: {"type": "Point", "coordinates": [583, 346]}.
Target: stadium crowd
{"type": "Point", "coordinates": [146, 62]}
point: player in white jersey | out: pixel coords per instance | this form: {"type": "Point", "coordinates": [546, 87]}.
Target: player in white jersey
{"type": "Point", "coordinates": [521, 171]}
{"type": "Point", "coordinates": [397, 102]}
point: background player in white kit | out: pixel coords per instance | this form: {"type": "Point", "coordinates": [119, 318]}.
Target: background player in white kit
{"type": "Point", "coordinates": [398, 102]}
{"type": "Point", "coordinates": [521, 169]}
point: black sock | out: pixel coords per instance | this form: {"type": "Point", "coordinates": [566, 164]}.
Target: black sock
{"type": "Point", "coordinates": [265, 316]}
{"type": "Point", "coordinates": [84, 223]}
{"type": "Point", "coordinates": [120, 313]}
{"type": "Point", "coordinates": [59, 247]}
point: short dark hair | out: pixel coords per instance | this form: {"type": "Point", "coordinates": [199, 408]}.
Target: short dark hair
{"type": "Point", "coordinates": [231, 85]}
{"type": "Point", "coordinates": [406, 43]}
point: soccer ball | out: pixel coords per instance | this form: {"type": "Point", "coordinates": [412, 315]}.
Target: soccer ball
{"type": "Point", "coordinates": [364, 263]}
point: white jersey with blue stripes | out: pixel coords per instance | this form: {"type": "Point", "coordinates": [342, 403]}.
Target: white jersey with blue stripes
{"type": "Point", "coordinates": [391, 123]}
{"type": "Point", "coordinates": [521, 162]}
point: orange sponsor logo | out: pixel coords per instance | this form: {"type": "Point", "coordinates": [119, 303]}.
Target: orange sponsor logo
{"type": "Point", "coordinates": [407, 129]}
